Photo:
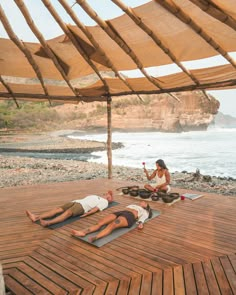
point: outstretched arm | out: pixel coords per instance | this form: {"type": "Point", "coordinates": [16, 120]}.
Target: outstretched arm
{"type": "Point", "coordinates": [92, 211]}
{"type": "Point", "coordinates": [149, 177]}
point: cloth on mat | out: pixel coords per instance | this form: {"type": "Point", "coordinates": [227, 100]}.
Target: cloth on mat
{"type": "Point", "coordinates": [71, 219]}
{"type": "Point", "coordinates": [192, 196]}
{"type": "Point", "coordinates": [115, 234]}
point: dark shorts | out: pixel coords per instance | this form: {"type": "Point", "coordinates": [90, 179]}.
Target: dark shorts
{"type": "Point", "coordinates": [76, 208]}
{"type": "Point", "coordinates": [129, 216]}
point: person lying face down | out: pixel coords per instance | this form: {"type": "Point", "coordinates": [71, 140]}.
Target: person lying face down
{"type": "Point", "coordinates": [83, 207]}
{"type": "Point", "coordinates": [126, 218]}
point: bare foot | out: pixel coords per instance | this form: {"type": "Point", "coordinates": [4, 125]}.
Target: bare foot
{"type": "Point", "coordinates": [92, 239]}
{"type": "Point", "coordinates": [32, 216]}
{"type": "Point", "coordinates": [78, 233]}
{"type": "Point", "coordinates": [44, 223]}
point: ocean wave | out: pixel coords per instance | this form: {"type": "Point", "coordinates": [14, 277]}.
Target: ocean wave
{"type": "Point", "coordinates": [212, 151]}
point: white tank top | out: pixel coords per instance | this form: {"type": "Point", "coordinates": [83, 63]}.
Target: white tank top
{"type": "Point", "coordinates": [161, 180]}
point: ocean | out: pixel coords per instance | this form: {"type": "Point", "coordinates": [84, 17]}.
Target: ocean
{"type": "Point", "coordinates": [213, 152]}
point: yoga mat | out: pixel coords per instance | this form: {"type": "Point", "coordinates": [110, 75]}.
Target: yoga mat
{"type": "Point", "coordinates": [71, 219]}
{"type": "Point", "coordinates": [192, 196]}
{"type": "Point", "coordinates": [115, 234]}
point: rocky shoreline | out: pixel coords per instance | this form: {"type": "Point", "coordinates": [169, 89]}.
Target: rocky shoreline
{"type": "Point", "coordinates": [18, 170]}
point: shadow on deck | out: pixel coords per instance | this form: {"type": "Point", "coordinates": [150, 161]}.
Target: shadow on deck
{"type": "Point", "coordinates": [188, 249]}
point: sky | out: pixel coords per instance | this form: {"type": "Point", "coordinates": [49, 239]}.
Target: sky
{"type": "Point", "coordinates": [107, 10]}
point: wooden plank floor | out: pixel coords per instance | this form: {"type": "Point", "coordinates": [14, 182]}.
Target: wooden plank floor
{"type": "Point", "coordinates": [189, 249]}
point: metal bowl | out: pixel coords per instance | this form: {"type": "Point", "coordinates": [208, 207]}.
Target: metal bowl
{"type": "Point", "coordinates": [144, 194]}
{"type": "Point", "coordinates": [134, 192]}
{"type": "Point", "coordinates": [167, 199]}
{"type": "Point", "coordinates": [155, 197]}
{"type": "Point", "coordinates": [161, 194]}
{"type": "Point", "coordinates": [174, 196]}
{"type": "Point", "coordinates": [125, 191]}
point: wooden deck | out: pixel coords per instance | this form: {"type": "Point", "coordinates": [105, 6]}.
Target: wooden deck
{"type": "Point", "coordinates": [189, 249]}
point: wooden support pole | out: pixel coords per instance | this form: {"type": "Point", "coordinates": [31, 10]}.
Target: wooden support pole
{"type": "Point", "coordinates": [109, 138]}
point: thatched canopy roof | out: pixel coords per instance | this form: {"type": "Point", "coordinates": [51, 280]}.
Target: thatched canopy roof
{"type": "Point", "coordinates": [158, 33]}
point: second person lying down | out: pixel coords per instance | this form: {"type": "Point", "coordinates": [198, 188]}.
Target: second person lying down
{"type": "Point", "coordinates": [126, 218]}
{"type": "Point", "coordinates": [83, 207]}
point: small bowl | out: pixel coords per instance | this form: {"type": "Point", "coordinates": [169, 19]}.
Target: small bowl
{"type": "Point", "coordinates": [133, 192]}
{"type": "Point", "coordinates": [155, 197]}
{"type": "Point", "coordinates": [174, 195]}
{"type": "Point", "coordinates": [161, 194]}
{"type": "Point", "coordinates": [144, 194]}
{"type": "Point", "coordinates": [167, 199]}
{"type": "Point", "coordinates": [125, 191]}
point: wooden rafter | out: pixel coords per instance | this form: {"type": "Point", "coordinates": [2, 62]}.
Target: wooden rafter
{"type": "Point", "coordinates": [113, 34]}
{"type": "Point", "coordinates": [181, 15]}
{"type": "Point", "coordinates": [178, 12]}
{"type": "Point", "coordinates": [72, 38]}
{"type": "Point", "coordinates": [10, 92]}
{"type": "Point", "coordinates": [138, 21]}
{"type": "Point", "coordinates": [215, 12]}
{"type": "Point", "coordinates": [93, 41]}
{"type": "Point", "coordinates": [67, 98]}
{"type": "Point", "coordinates": [212, 85]}
{"type": "Point", "coordinates": [23, 48]}
{"type": "Point", "coordinates": [46, 47]}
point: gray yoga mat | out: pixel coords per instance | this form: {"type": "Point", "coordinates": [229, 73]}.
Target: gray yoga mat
{"type": "Point", "coordinates": [115, 234]}
{"type": "Point", "coordinates": [71, 219]}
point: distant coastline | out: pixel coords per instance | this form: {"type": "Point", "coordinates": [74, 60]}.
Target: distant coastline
{"type": "Point", "coordinates": [17, 171]}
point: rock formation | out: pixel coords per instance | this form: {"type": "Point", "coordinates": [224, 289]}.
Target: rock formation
{"type": "Point", "coordinates": [155, 113]}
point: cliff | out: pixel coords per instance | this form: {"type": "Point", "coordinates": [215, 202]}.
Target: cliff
{"type": "Point", "coordinates": [155, 112]}
{"type": "Point", "coordinates": [151, 113]}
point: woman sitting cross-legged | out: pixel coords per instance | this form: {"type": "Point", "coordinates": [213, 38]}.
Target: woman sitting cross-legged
{"type": "Point", "coordinates": [162, 175]}
{"type": "Point", "coordinates": [126, 218]}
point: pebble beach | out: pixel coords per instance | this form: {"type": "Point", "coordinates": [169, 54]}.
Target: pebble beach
{"type": "Point", "coordinates": [22, 170]}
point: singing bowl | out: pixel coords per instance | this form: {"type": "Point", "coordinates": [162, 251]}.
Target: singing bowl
{"type": "Point", "coordinates": [134, 193]}
{"type": "Point", "coordinates": [173, 195]}
{"type": "Point", "coordinates": [125, 191]}
{"type": "Point", "coordinates": [161, 194]}
{"type": "Point", "coordinates": [167, 199]}
{"type": "Point", "coordinates": [144, 194]}
{"type": "Point", "coordinates": [155, 197]}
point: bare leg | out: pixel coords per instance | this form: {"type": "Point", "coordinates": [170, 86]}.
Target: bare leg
{"type": "Point", "coordinates": [149, 187]}
{"type": "Point", "coordinates": [117, 223]}
{"type": "Point", "coordinates": [65, 215]}
{"type": "Point", "coordinates": [48, 214]}
{"type": "Point", "coordinates": [106, 220]}
{"type": "Point", "coordinates": [51, 213]}
{"type": "Point", "coordinates": [152, 189]}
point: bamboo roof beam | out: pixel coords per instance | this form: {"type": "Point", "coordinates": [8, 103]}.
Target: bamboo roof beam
{"type": "Point", "coordinates": [93, 41]}
{"type": "Point", "coordinates": [33, 96]}
{"type": "Point", "coordinates": [22, 47]}
{"type": "Point", "coordinates": [138, 21]}
{"type": "Point", "coordinates": [113, 34]}
{"type": "Point", "coordinates": [212, 85]}
{"type": "Point", "coordinates": [10, 92]}
{"type": "Point", "coordinates": [70, 35]}
{"type": "Point", "coordinates": [216, 12]}
{"type": "Point", "coordinates": [181, 15]}
{"type": "Point", "coordinates": [37, 33]}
